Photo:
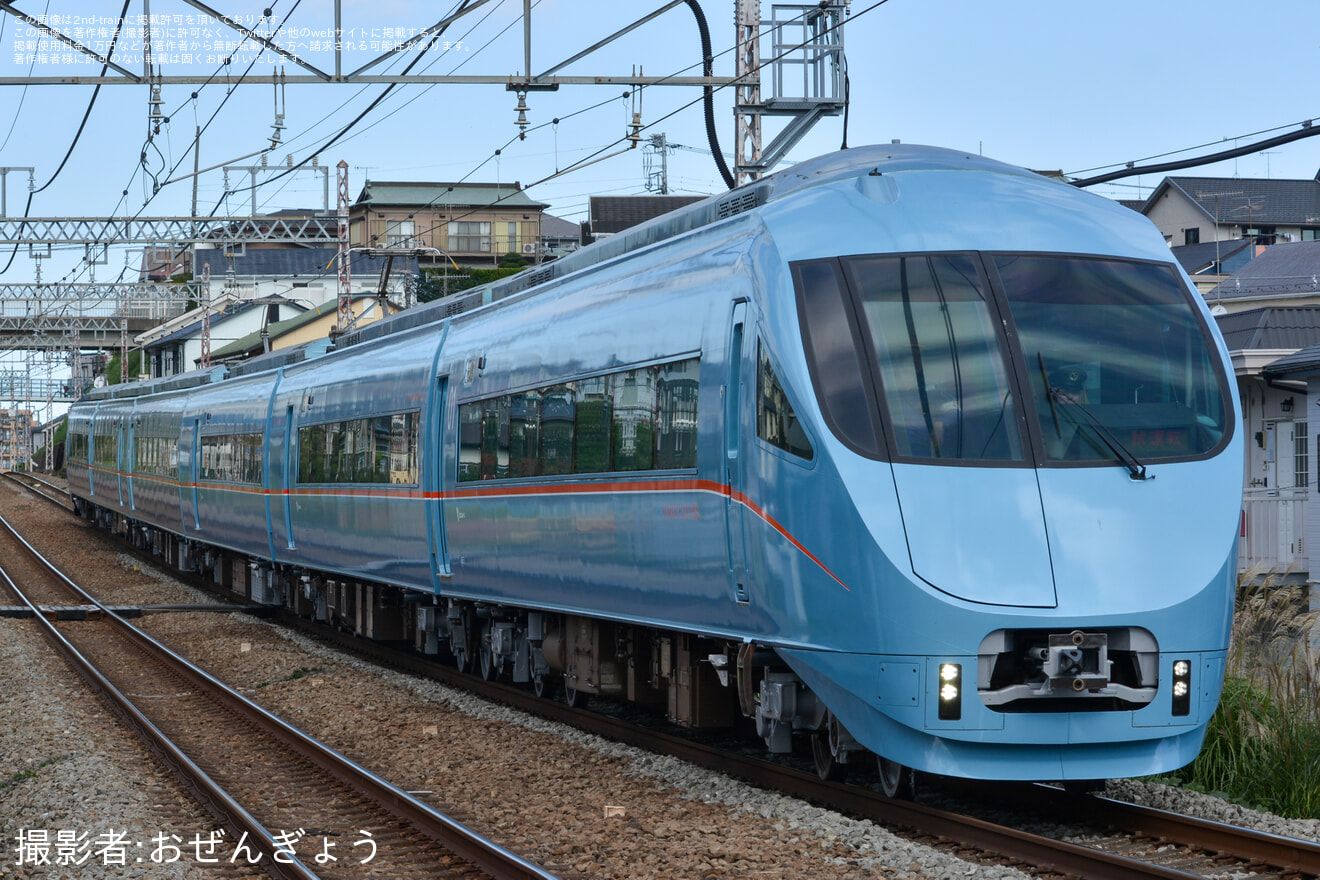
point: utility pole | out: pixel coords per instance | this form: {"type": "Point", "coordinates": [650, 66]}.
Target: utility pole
{"type": "Point", "coordinates": [345, 270]}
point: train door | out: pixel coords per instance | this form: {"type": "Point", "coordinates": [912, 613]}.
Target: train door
{"type": "Point", "coordinates": [196, 470]}
{"type": "Point", "coordinates": [121, 461]}
{"type": "Point", "coordinates": [290, 473]}
{"type": "Point", "coordinates": [129, 433]}
{"type": "Point", "coordinates": [734, 396]}
{"type": "Point", "coordinates": [436, 465]}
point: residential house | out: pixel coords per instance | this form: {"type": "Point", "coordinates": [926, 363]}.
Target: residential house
{"type": "Point", "coordinates": [1210, 263]}
{"type": "Point", "coordinates": [558, 237]}
{"type": "Point", "coordinates": [176, 346]}
{"type": "Point", "coordinates": [308, 328]}
{"type": "Point", "coordinates": [1278, 466]}
{"type": "Point", "coordinates": [1193, 210]}
{"type": "Point", "coordinates": [608, 215]}
{"type": "Point", "coordinates": [16, 427]}
{"type": "Point", "coordinates": [306, 274]}
{"type": "Point", "coordinates": [474, 224]}
{"type": "Point", "coordinates": [1301, 371]}
{"type": "Point", "coordinates": [1287, 273]}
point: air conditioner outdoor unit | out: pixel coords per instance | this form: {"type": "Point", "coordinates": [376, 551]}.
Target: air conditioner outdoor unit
{"type": "Point", "coordinates": [529, 248]}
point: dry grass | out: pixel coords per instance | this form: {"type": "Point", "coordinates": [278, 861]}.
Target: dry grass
{"type": "Point", "coordinates": [1262, 748]}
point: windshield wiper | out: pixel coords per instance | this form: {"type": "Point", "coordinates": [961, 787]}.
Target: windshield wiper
{"type": "Point", "coordinates": [1081, 416]}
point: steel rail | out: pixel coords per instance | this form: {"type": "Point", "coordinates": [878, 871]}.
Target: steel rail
{"type": "Point", "coordinates": [481, 852]}
{"type": "Point", "coordinates": [20, 479]}
{"type": "Point", "coordinates": [214, 798]}
{"type": "Point", "coordinates": [1287, 854]}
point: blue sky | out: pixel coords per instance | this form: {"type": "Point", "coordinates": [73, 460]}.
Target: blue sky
{"type": "Point", "coordinates": [1048, 85]}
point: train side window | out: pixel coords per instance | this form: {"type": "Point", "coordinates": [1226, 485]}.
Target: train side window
{"type": "Point", "coordinates": [776, 422]}
{"type": "Point", "coordinates": [834, 354]}
{"type": "Point", "coordinates": [633, 434]}
{"type": "Point", "coordinates": [524, 433]}
{"type": "Point", "coordinates": [676, 414]}
{"type": "Point", "coordinates": [591, 425]}
{"type": "Point", "coordinates": [557, 418]}
{"type": "Point", "coordinates": [495, 438]}
{"type": "Point", "coordinates": [469, 442]}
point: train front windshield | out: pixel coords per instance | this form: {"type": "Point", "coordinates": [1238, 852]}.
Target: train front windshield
{"type": "Point", "coordinates": [1110, 355]}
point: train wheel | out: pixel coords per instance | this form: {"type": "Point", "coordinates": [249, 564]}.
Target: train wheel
{"type": "Point", "coordinates": [462, 660]}
{"type": "Point", "coordinates": [828, 767]}
{"type": "Point", "coordinates": [574, 697]}
{"type": "Point", "coordinates": [490, 670]}
{"type": "Point", "coordinates": [896, 781]}
{"type": "Point", "coordinates": [542, 686]}
{"type": "Point", "coordinates": [486, 661]}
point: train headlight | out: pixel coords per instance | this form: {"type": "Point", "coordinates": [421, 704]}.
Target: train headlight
{"type": "Point", "coordinates": [1182, 687]}
{"type": "Point", "coordinates": [950, 691]}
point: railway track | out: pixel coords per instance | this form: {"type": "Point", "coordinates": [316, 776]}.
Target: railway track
{"type": "Point", "coordinates": [41, 487]}
{"type": "Point", "coordinates": [292, 801]}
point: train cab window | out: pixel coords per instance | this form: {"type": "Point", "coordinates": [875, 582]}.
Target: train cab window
{"type": "Point", "coordinates": [839, 374]}
{"type": "Point", "coordinates": [1115, 353]}
{"type": "Point", "coordinates": [776, 422]}
{"type": "Point", "coordinates": [944, 380]}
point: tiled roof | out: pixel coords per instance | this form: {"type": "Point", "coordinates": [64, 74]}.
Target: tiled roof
{"type": "Point", "coordinates": [1292, 267]}
{"type": "Point", "coordinates": [195, 327]}
{"type": "Point", "coordinates": [1274, 327]}
{"type": "Point", "coordinates": [1196, 258]}
{"type": "Point", "coordinates": [1249, 202]}
{"type": "Point", "coordinates": [446, 195]}
{"type": "Point", "coordinates": [553, 227]}
{"type": "Point", "coordinates": [1299, 363]}
{"type": "Point", "coordinates": [278, 329]}
{"type": "Point", "coordinates": [310, 263]}
{"type": "Point", "coordinates": [611, 214]}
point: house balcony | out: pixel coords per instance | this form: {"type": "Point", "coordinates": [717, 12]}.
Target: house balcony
{"type": "Point", "coordinates": [1273, 531]}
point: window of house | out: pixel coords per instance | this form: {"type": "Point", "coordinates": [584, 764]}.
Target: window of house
{"type": "Point", "coordinates": [1261, 234]}
{"type": "Point", "coordinates": [1310, 233]}
{"type": "Point", "coordinates": [470, 236]}
{"type": "Point", "coordinates": [1192, 236]}
{"type": "Point", "coordinates": [1301, 457]}
{"type": "Point", "coordinates": [399, 233]}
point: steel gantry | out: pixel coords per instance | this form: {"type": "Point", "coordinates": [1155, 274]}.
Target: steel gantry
{"type": "Point", "coordinates": [790, 65]}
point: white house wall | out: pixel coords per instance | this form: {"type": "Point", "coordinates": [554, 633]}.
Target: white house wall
{"type": "Point", "coordinates": [1278, 529]}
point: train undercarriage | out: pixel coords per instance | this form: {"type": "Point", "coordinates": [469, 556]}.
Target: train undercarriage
{"type": "Point", "coordinates": [696, 681]}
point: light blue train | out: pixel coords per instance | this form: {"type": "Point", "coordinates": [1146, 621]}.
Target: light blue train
{"type": "Point", "coordinates": [900, 451]}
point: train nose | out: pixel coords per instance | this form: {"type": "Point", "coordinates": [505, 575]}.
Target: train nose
{"type": "Point", "coordinates": [977, 533]}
